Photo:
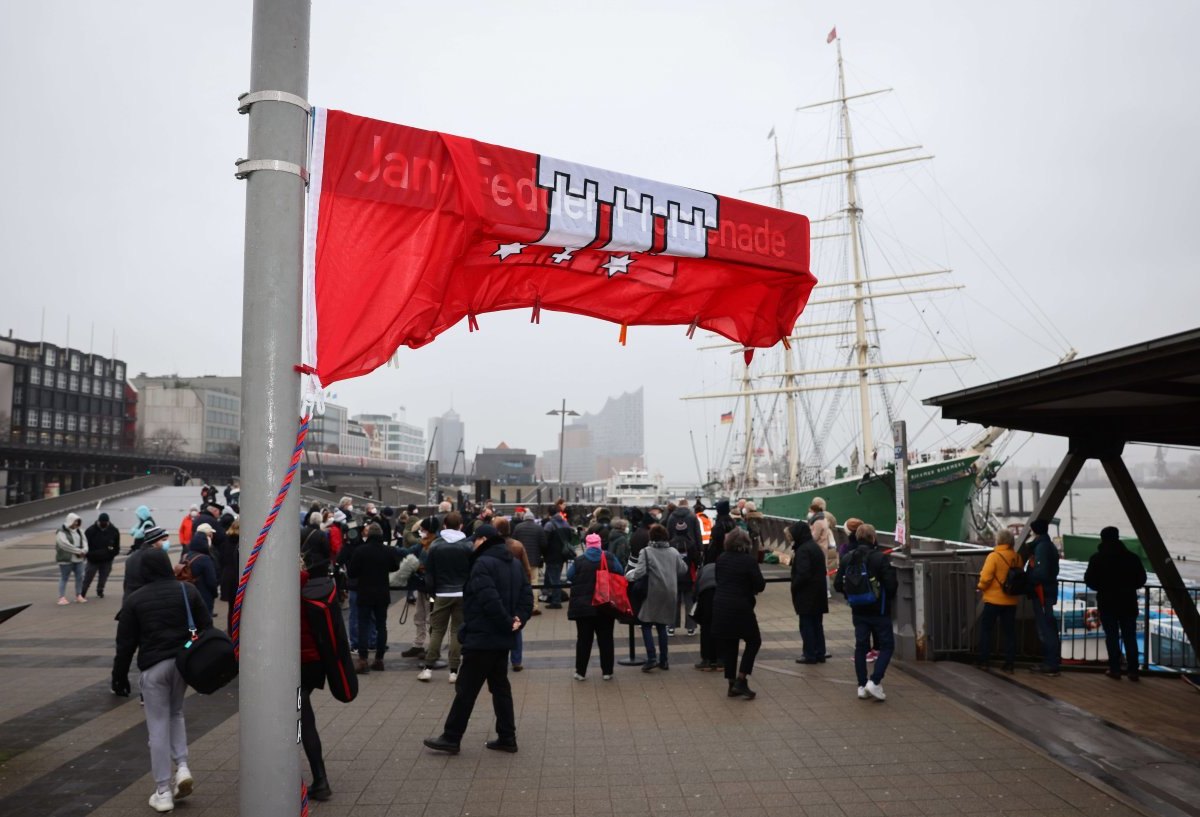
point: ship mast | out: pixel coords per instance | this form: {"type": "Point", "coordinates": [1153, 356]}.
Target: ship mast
{"type": "Point", "coordinates": [748, 470]}
{"type": "Point", "coordinates": [793, 441]}
{"type": "Point", "coordinates": [860, 323]}
{"type": "Point", "coordinates": [863, 455]}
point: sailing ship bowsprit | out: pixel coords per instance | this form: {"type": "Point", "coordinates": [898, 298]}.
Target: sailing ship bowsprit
{"type": "Point", "coordinates": [853, 478]}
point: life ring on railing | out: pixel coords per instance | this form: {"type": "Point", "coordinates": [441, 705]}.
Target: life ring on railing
{"type": "Point", "coordinates": [1091, 619]}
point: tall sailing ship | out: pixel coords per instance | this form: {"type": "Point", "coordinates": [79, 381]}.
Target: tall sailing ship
{"type": "Point", "coordinates": [824, 447]}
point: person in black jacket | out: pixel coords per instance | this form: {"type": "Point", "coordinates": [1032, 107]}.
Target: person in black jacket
{"type": "Point", "coordinates": [873, 619]}
{"type": "Point", "coordinates": [1116, 574]}
{"type": "Point", "coordinates": [370, 566]}
{"type": "Point", "coordinates": [497, 602]}
{"type": "Point", "coordinates": [808, 592]}
{"type": "Point", "coordinates": [683, 513]}
{"type": "Point", "coordinates": [104, 544]}
{"type": "Point", "coordinates": [722, 525]}
{"type": "Point", "coordinates": [153, 539]}
{"type": "Point", "coordinates": [591, 622]}
{"type": "Point", "coordinates": [154, 623]}
{"type": "Point", "coordinates": [739, 580]}
{"type": "Point", "coordinates": [229, 565]}
{"type": "Point", "coordinates": [371, 514]}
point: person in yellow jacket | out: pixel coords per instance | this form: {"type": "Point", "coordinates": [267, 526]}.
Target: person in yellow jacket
{"type": "Point", "coordinates": [997, 603]}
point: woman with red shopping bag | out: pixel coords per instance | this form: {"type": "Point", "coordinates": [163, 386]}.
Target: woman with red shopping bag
{"type": "Point", "coordinates": [593, 622]}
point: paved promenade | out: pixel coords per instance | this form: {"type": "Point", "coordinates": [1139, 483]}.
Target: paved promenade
{"type": "Point", "coordinates": [664, 743]}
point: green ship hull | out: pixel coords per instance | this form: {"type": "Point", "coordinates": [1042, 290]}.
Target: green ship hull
{"type": "Point", "coordinates": [939, 500]}
{"type": "Point", "coordinates": [1082, 546]}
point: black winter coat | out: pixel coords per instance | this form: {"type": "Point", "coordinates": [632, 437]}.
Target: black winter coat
{"type": "Point", "coordinates": [685, 514]}
{"type": "Point", "coordinates": [722, 525]}
{"type": "Point", "coordinates": [496, 591]}
{"type": "Point", "coordinates": [350, 546]}
{"type": "Point", "coordinates": [153, 619]}
{"type": "Point", "coordinates": [558, 540]}
{"type": "Point", "coordinates": [1116, 574]}
{"type": "Point", "coordinates": [530, 534]}
{"type": "Point", "coordinates": [637, 540]}
{"type": "Point", "coordinates": [104, 544]}
{"type": "Point", "coordinates": [370, 566]}
{"type": "Point", "coordinates": [809, 597]}
{"type": "Point", "coordinates": [583, 587]}
{"type": "Point", "coordinates": [203, 568]}
{"type": "Point", "coordinates": [133, 572]}
{"type": "Point", "coordinates": [227, 557]}
{"type": "Point", "coordinates": [739, 580]}
{"type": "Point", "coordinates": [384, 524]}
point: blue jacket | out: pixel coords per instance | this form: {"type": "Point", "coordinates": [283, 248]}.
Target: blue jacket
{"type": "Point", "coordinates": [496, 591]}
{"type": "Point", "coordinates": [1044, 570]}
{"type": "Point", "coordinates": [203, 569]}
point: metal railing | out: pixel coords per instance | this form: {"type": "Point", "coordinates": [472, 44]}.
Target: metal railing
{"type": "Point", "coordinates": [1162, 641]}
{"type": "Point", "coordinates": [954, 611]}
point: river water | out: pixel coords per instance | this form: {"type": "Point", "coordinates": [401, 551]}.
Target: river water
{"type": "Point", "coordinates": [1176, 512]}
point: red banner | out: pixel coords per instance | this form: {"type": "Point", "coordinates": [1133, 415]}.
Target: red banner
{"type": "Point", "coordinates": [431, 228]}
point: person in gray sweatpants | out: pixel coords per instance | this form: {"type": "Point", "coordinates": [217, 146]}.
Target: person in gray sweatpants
{"type": "Point", "coordinates": [153, 622]}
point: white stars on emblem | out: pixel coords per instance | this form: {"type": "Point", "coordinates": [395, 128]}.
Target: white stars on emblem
{"type": "Point", "coordinates": [616, 264]}
{"type": "Point", "coordinates": [563, 257]}
{"type": "Point", "coordinates": [506, 250]}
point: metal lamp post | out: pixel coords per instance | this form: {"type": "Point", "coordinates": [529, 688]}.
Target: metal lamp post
{"type": "Point", "coordinates": [563, 412]}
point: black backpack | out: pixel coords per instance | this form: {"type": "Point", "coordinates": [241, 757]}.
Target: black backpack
{"type": "Point", "coordinates": [321, 608]}
{"type": "Point", "coordinates": [859, 586]}
{"type": "Point", "coordinates": [686, 546]}
{"type": "Point", "coordinates": [1016, 583]}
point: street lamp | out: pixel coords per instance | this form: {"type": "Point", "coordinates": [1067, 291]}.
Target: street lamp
{"type": "Point", "coordinates": [564, 412]}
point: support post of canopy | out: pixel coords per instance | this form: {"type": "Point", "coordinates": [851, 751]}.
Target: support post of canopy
{"type": "Point", "coordinates": [1056, 490]}
{"type": "Point", "coordinates": [270, 629]}
{"type": "Point", "coordinates": [1152, 542]}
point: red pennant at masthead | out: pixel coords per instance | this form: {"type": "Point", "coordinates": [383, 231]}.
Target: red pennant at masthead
{"type": "Point", "coordinates": [433, 228]}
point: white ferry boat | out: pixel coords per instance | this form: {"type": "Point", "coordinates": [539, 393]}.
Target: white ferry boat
{"type": "Point", "coordinates": [634, 487]}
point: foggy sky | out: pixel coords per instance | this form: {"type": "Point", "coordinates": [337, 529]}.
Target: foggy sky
{"type": "Point", "coordinates": [1063, 133]}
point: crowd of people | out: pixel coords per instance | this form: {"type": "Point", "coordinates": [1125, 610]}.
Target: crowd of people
{"type": "Point", "coordinates": [467, 579]}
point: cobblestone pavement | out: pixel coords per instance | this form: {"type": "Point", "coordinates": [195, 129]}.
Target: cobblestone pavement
{"type": "Point", "coordinates": [661, 743]}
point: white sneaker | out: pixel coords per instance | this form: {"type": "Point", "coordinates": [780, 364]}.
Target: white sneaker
{"type": "Point", "coordinates": [62, 600]}
{"type": "Point", "coordinates": [606, 677]}
{"type": "Point", "coordinates": [875, 691]}
{"type": "Point", "coordinates": [863, 694]}
{"type": "Point", "coordinates": [579, 677]}
{"type": "Point", "coordinates": [162, 801]}
{"type": "Point", "coordinates": [425, 674]}
{"type": "Point", "coordinates": [183, 782]}
{"type": "Point", "coordinates": [453, 676]}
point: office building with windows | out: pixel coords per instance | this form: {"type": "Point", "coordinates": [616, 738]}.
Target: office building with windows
{"type": "Point", "coordinates": [393, 439]}
{"type": "Point", "coordinates": [59, 397]}
{"type": "Point", "coordinates": [194, 415]}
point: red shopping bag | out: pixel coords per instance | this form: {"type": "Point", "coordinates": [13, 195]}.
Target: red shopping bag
{"type": "Point", "coordinates": [612, 591]}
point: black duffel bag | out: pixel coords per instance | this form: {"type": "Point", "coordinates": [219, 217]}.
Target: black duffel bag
{"type": "Point", "coordinates": [207, 660]}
